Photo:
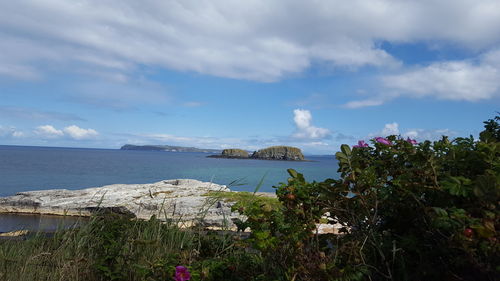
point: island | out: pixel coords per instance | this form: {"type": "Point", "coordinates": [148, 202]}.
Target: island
{"type": "Point", "coordinates": [169, 148]}
{"type": "Point", "coordinates": [287, 153]}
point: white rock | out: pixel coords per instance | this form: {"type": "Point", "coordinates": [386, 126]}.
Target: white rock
{"type": "Point", "coordinates": [181, 200]}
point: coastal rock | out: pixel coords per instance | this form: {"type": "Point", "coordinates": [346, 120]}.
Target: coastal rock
{"type": "Point", "coordinates": [279, 153]}
{"type": "Point", "coordinates": [182, 200]}
{"type": "Point", "coordinates": [234, 153]}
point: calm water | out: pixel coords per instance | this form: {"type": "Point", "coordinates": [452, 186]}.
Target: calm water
{"type": "Point", "coordinates": [13, 222]}
{"type": "Point", "coordinates": [36, 168]}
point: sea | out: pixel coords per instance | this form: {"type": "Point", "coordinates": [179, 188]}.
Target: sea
{"type": "Point", "coordinates": [25, 168]}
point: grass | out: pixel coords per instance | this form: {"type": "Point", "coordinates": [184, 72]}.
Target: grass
{"type": "Point", "coordinates": [244, 198]}
{"type": "Point", "coordinates": [115, 247]}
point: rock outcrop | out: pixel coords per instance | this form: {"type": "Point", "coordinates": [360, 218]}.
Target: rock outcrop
{"type": "Point", "coordinates": [279, 153]}
{"type": "Point", "coordinates": [234, 153]}
{"type": "Point", "coordinates": [183, 201]}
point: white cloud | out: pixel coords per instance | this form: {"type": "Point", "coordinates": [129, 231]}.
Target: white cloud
{"type": "Point", "coordinates": [418, 134]}
{"type": "Point", "coordinates": [257, 39]}
{"type": "Point", "coordinates": [425, 134]}
{"type": "Point", "coordinates": [305, 129]}
{"type": "Point", "coordinates": [364, 103]}
{"type": "Point", "coordinates": [390, 129]}
{"type": "Point", "coordinates": [48, 131]}
{"type": "Point", "coordinates": [460, 80]}
{"type": "Point", "coordinates": [73, 132]}
{"type": "Point", "coordinates": [451, 80]}
{"type": "Point", "coordinates": [78, 133]}
{"type": "Point", "coordinates": [10, 132]}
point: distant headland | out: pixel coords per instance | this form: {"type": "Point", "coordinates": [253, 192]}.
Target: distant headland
{"type": "Point", "coordinates": [169, 148]}
{"type": "Point", "coordinates": [287, 153]}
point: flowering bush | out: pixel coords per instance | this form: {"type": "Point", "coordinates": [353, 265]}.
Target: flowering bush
{"type": "Point", "coordinates": [409, 211]}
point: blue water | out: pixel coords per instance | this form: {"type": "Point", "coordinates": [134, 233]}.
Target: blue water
{"type": "Point", "coordinates": [37, 168]}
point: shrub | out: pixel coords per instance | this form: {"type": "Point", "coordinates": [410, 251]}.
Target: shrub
{"type": "Point", "coordinates": [409, 212]}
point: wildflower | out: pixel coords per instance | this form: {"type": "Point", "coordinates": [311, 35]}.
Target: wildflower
{"type": "Point", "coordinates": [361, 143]}
{"type": "Point", "coordinates": [383, 141]}
{"type": "Point", "coordinates": [411, 141]}
{"type": "Point", "coordinates": [182, 273]}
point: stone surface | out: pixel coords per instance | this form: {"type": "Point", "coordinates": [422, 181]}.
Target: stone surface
{"type": "Point", "coordinates": [279, 153]}
{"type": "Point", "coordinates": [182, 200]}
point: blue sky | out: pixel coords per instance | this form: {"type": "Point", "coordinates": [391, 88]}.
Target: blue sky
{"type": "Point", "coordinates": [248, 74]}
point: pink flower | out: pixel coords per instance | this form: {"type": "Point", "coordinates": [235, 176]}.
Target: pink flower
{"type": "Point", "coordinates": [411, 141]}
{"type": "Point", "coordinates": [182, 273]}
{"type": "Point", "coordinates": [361, 143]}
{"type": "Point", "coordinates": [383, 141]}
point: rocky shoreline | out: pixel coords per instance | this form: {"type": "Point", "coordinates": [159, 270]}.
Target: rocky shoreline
{"type": "Point", "coordinates": [184, 201]}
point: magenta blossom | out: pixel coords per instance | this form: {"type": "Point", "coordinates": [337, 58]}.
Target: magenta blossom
{"type": "Point", "coordinates": [411, 141]}
{"type": "Point", "coordinates": [182, 273]}
{"type": "Point", "coordinates": [383, 141]}
{"type": "Point", "coordinates": [361, 143]}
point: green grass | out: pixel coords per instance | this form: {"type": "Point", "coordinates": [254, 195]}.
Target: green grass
{"type": "Point", "coordinates": [111, 247]}
{"type": "Point", "coordinates": [244, 198]}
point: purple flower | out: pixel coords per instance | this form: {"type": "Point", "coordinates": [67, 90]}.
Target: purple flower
{"type": "Point", "coordinates": [182, 273]}
{"type": "Point", "coordinates": [383, 141]}
{"type": "Point", "coordinates": [361, 143]}
{"type": "Point", "coordinates": [411, 141]}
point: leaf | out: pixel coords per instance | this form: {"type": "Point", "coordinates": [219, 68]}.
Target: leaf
{"type": "Point", "coordinates": [440, 212]}
{"type": "Point", "coordinates": [346, 149]}
{"type": "Point", "coordinates": [292, 173]}
{"type": "Point", "coordinates": [483, 231]}
{"type": "Point", "coordinates": [257, 188]}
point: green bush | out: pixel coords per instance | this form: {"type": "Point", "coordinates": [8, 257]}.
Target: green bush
{"type": "Point", "coordinates": [409, 211]}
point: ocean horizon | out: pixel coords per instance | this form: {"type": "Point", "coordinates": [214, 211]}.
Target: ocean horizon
{"type": "Point", "coordinates": [26, 168]}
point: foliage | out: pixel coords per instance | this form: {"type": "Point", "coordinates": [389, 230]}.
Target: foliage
{"type": "Point", "coordinates": [407, 211]}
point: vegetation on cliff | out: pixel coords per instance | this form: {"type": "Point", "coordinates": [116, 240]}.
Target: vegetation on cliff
{"type": "Point", "coordinates": [279, 153]}
{"type": "Point", "coordinates": [234, 153]}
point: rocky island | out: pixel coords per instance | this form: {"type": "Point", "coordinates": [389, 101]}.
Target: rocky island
{"type": "Point", "coordinates": [287, 153]}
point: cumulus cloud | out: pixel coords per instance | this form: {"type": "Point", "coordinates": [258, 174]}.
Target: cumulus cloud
{"type": "Point", "coordinates": [48, 131]}
{"type": "Point", "coordinates": [425, 134]}
{"type": "Point", "coordinates": [305, 129]}
{"type": "Point", "coordinates": [73, 132]}
{"type": "Point", "coordinates": [390, 129]}
{"type": "Point", "coordinates": [418, 134]}
{"type": "Point", "coordinates": [451, 80]}
{"type": "Point", "coordinates": [257, 40]}
{"type": "Point", "coordinates": [458, 80]}
{"type": "Point", "coordinates": [78, 133]}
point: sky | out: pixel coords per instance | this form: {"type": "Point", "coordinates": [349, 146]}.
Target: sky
{"type": "Point", "coordinates": [245, 74]}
